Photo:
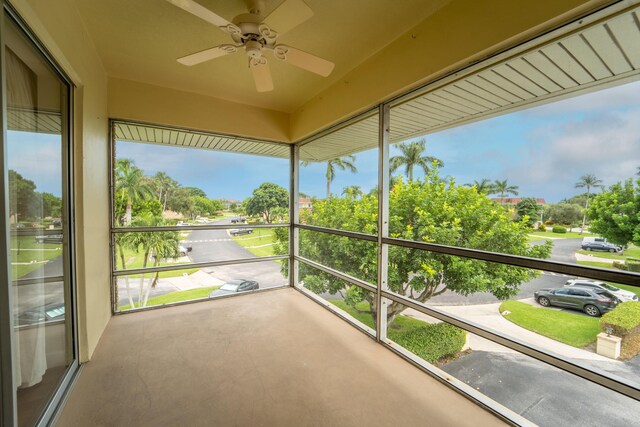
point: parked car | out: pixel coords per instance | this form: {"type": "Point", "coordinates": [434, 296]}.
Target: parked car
{"type": "Point", "coordinates": [240, 231]}
{"type": "Point", "coordinates": [593, 302]}
{"type": "Point", "coordinates": [49, 238]}
{"type": "Point", "coordinates": [183, 250]}
{"type": "Point", "coordinates": [233, 286]}
{"type": "Point", "coordinates": [183, 224]}
{"type": "Point", "coordinates": [601, 246]}
{"type": "Point", "coordinates": [44, 313]}
{"type": "Point", "coordinates": [621, 294]}
{"type": "Point", "coordinates": [238, 219]}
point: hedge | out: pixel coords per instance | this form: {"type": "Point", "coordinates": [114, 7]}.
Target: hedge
{"type": "Point", "coordinates": [558, 229]}
{"type": "Point", "coordinates": [624, 322]}
{"type": "Point", "coordinates": [431, 341]}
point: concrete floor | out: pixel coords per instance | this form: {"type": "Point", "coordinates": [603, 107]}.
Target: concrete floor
{"type": "Point", "coordinates": [268, 359]}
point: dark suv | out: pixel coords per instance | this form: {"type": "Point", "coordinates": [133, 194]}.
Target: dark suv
{"type": "Point", "coordinates": [593, 302]}
{"type": "Point", "coordinates": [600, 246]}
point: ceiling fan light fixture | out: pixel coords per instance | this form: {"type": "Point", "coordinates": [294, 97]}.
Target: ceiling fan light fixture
{"type": "Point", "coordinates": [256, 33]}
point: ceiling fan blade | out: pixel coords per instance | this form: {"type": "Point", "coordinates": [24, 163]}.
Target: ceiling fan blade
{"type": "Point", "coordinates": [303, 60]}
{"type": "Point", "coordinates": [261, 74]}
{"type": "Point", "coordinates": [207, 54]}
{"type": "Point", "coordinates": [288, 15]}
{"type": "Point", "coordinates": [204, 13]}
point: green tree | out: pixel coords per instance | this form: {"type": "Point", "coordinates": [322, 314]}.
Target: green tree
{"type": "Point", "coordinates": [130, 185]}
{"type": "Point", "coordinates": [564, 213]}
{"type": "Point", "coordinates": [181, 201]}
{"type": "Point", "coordinates": [352, 191]}
{"type": "Point", "coordinates": [342, 163]}
{"type": "Point", "coordinates": [528, 210]}
{"type": "Point", "coordinates": [205, 207]}
{"type": "Point", "coordinates": [587, 181]}
{"type": "Point", "coordinates": [163, 187]}
{"type": "Point", "coordinates": [51, 205]}
{"type": "Point", "coordinates": [412, 156]}
{"type": "Point", "coordinates": [484, 186]}
{"type": "Point", "coordinates": [429, 211]}
{"type": "Point", "coordinates": [195, 191]}
{"type": "Point", "coordinates": [615, 213]}
{"type": "Point", "coordinates": [503, 189]}
{"type": "Point", "coordinates": [265, 198]}
{"type": "Point", "coordinates": [23, 200]}
{"type": "Point", "coordinates": [157, 245]}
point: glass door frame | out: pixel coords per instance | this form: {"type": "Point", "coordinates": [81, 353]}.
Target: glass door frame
{"type": "Point", "coordinates": [8, 389]}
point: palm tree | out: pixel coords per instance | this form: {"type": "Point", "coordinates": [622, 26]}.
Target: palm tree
{"type": "Point", "coordinates": [130, 183]}
{"type": "Point", "coordinates": [503, 188]}
{"type": "Point", "coordinates": [587, 181]}
{"type": "Point", "coordinates": [411, 157]}
{"type": "Point", "coordinates": [353, 191]}
{"type": "Point", "coordinates": [164, 186]}
{"type": "Point", "coordinates": [483, 186]}
{"type": "Point", "coordinates": [343, 163]}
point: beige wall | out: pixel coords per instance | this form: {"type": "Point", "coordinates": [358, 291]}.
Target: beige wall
{"type": "Point", "coordinates": [460, 33]}
{"type": "Point", "coordinates": [154, 104]}
{"type": "Point", "coordinates": [58, 25]}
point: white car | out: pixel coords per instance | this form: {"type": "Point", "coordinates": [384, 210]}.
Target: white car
{"type": "Point", "coordinates": [621, 294]}
{"type": "Point", "coordinates": [202, 221]}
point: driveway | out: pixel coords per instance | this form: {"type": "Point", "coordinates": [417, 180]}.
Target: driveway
{"type": "Point", "coordinates": [541, 393]}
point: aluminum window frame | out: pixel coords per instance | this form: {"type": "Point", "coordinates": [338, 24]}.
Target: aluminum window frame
{"type": "Point", "coordinates": [607, 380]}
{"type": "Point", "coordinates": [114, 230]}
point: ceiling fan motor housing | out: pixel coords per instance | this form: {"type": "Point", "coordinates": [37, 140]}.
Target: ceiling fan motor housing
{"type": "Point", "coordinates": [253, 48]}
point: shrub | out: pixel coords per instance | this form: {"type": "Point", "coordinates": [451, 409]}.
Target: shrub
{"type": "Point", "coordinates": [620, 265]}
{"type": "Point", "coordinates": [432, 341]}
{"type": "Point", "coordinates": [542, 227]}
{"type": "Point", "coordinates": [558, 229]}
{"type": "Point", "coordinates": [633, 266]}
{"type": "Point", "coordinates": [624, 322]}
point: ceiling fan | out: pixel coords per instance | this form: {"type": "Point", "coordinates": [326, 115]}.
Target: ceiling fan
{"type": "Point", "coordinates": [256, 34]}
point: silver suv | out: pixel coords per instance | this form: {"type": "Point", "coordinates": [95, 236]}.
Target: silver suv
{"type": "Point", "coordinates": [621, 294]}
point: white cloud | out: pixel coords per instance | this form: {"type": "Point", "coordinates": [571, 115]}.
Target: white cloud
{"type": "Point", "coordinates": [606, 145]}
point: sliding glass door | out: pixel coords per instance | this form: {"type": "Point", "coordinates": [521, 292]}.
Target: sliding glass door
{"type": "Point", "coordinates": [37, 221]}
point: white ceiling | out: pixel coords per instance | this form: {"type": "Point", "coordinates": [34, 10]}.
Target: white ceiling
{"type": "Point", "coordinates": [140, 40]}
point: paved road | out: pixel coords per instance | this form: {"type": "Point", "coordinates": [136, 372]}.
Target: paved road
{"type": "Point", "coordinates": [542, 394]}
{"type": "Point", "coordinates": [563, 250]}
{"type": "Point", "coordinates": [217, 245]}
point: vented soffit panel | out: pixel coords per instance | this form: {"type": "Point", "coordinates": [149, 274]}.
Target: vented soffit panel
{"type": "Point", "coordinates": [135, 132]}
{"type": "Point", "coordinates": [29, 120]}
{"type": "Point", "coordinates": [597, 55]}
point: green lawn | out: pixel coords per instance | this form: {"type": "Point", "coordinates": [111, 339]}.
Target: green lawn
{"type": "Point", "coordinates": [567, 235]}
{"type": "Point", "coordinates": [569, 328]}
{"type": "Point", "coordinates": [24, 249]}
{"type": "Point", "coordinates": [134, 260]}
{"type": "Point", "coordinates": [259, 243]}
{"type": "Point", "coordinates": [176, 297]}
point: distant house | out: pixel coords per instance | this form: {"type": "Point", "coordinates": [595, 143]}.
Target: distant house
{"type": "Point", "coordinates": [512, 201]}
{"type": "Point", "coordinates": [304, 203]}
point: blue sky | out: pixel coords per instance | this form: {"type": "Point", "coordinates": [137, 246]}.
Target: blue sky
{"type": "Point", "coordinates": [542, 150]}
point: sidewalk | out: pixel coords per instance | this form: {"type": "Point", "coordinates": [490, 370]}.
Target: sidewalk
{"type": "Point", "coordinates": [199, 279]}
{"type": "Point", "coordinates": [488, 316]}
{"type": "Point", "coordinates": [583, 257]}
